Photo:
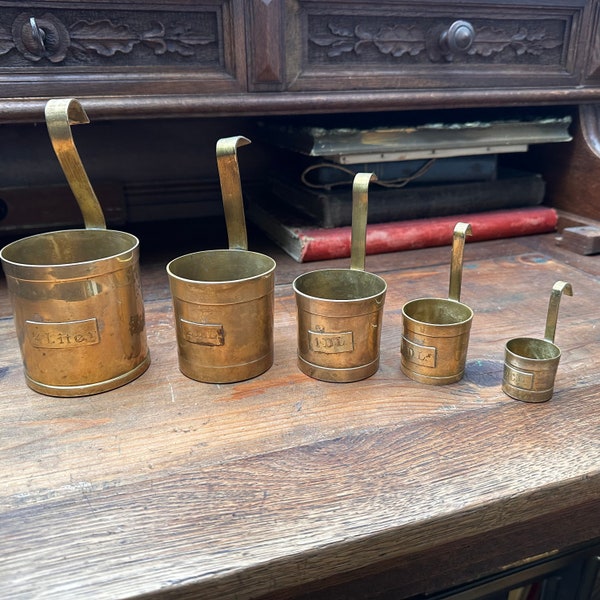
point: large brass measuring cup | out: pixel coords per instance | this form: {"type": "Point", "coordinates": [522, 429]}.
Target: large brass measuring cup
{"type": "Point", "coordinates": [223, 299]}
{"type": "Point", "coordinates": [340, 310]}
{"type": "Point", "coordinates": [436, 330]}
{"type": "Point", "coordinates": [76, 295]}
{"type": "Point", "coordinates": [530, 364]}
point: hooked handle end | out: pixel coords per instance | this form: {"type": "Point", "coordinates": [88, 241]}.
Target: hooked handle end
{"type": "Point", "coordinates": [67, 110]}
{"type": "Point", "coordinates": [562, 287]}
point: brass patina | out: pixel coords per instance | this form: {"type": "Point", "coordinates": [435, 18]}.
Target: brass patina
{"type": "Point", "coordinates": [340, 310]}
{"type": "Point", "coordinates": [76, 294]}
{"type": "Point", "coordinates": [436, 331]}
{"type": "Point", "coordinates": [223, 299]}
{"type": "Point", "coordinates": [530, 364]}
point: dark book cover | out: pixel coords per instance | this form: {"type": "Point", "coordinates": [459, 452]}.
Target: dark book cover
{"type": "Point", "coordinates": [333, 208]}
{"type": "Point", "coordinates": [342, 142]}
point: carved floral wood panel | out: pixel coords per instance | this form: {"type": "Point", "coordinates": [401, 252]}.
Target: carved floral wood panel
{"type": "Point", "coordinates": [335, 39]}
{"type": "Point", "coordinates": [68, 38]}
{"type": "Point", "coordinates": [433, 45]}
{"type": "Point", "coordinates": [197, 57]}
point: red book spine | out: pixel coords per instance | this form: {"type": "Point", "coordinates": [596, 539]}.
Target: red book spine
{"type": "Point", "coordinates": [321, 244]}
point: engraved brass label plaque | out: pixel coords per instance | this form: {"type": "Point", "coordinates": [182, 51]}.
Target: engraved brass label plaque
{"type": "Point", "coordinates": [63, 335]}
{"type": "Point", "coordinates": [420, 355]}
{"type": "Point", "coordinates": [204, 334]}
{"type": "Point", "coordinates": [331, 343]}
{"type": "Point", "coordinates": [517, 378]}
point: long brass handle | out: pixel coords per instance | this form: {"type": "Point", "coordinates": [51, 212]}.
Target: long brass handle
{"type": "Point", "coordinates": [60, 114]}
{"type": "Point", "coordinates": [461, 230]}
{"type": "Point", "coordinates": [558, 289]}
{"type": "Point", "coordinates": [360, 206]}
{"type": "Point", "coordinates": [231, 190]}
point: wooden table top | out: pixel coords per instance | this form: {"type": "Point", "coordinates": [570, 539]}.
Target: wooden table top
{"type": "Point", "coordinates": [172, 488]}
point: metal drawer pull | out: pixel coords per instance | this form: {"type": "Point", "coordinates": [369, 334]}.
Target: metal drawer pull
{"type": "Point", "coordinates": [457, 38]}
{"type": "Point", "coordinates": [38, 34]}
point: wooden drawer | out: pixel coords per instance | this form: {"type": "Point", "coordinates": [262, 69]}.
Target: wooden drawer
{"type": "Point", "coordinates": [230, 57]}
{"type": "Point", "coordinates": [135, 48]}
{"type": "Point", "coordinates": [418, 45]}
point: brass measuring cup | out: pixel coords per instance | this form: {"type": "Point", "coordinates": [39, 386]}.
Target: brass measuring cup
{"type": "Point", "coordinates": [76, 294]}
{"type": "Point", "coordinates": [530, 364]}
{"type": "Point", "coordinates": [340, 310]}
{"type": "Point", "coordinates": [223, 300]}
{"type": "Point", "coordinates": [436, 331]}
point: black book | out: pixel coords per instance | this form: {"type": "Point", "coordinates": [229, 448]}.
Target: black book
{"type": "Point", "coordinates": [333, 208]}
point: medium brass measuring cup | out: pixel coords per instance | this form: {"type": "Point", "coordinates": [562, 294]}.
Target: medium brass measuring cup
{"type": "Point", "coordinates": [76, 294]}
{"type": "Point", "coordinates": [436, 331]}
{"type": "Point", "coordinates": [223, 299]}
{"type": "Point", "coordinates": [530, 364]}
{"type": "Point", "coordinates": [340, 310]}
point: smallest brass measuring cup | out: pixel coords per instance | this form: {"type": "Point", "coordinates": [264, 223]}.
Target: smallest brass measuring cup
{"type": "Point", "coordinates": [436, 330]}
{"type": "Point", "coordinates": [224, 299]}
{"type": "Point", "coordinates": [340, 310]}
{"type": "Point", "coordinates": [530, 364]}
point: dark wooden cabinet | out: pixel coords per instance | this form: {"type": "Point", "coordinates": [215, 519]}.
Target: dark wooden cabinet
{"type": "Point", "coordinates": [151, 53]}
{"type": "Point", "coordinates": [228, 57]}
{"type": "Point", "coordinates": [433, 45]}
{"type": "Point", "coordinates": [282, 487]}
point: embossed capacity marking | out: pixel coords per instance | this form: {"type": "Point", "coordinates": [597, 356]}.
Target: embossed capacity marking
{"type": "Point", "coordinates": [63, 335]}
{"type": "Point", "coordinates": [205, 334]}
{"type": "Point", "coordinates": [518, 379]}
{"type": "Point", "coordinates": [331, 343]}
{"type": "Point", "coordinates": [420, 355]}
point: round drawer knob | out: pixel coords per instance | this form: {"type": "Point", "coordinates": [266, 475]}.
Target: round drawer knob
{"type": "Point", "coordinates": [40, 38]}
{"type": "Point", "coordinates": [457, 38]}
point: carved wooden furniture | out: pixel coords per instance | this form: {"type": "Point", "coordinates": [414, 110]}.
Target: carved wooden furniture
{"type": "Point", "coordinates": [287, 487]}
{"type": "Point", "coordinates": [283, 486]}
{"type": "Point", "coordinates": [183, 57]}
{"type": "Point", "coordinates": [259, 58]}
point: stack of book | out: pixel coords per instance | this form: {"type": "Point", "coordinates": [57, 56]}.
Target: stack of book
{"type": "Point", "coordinates": [429, 177]}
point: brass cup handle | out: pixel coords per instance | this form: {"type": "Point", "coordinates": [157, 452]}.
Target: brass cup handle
{"type": "Point", "coordinates": [559, 288]}
{"type": "Point", "coordinates": [60, 114]}
{"type": "Point", "coordinates": [231, 190]}
{"type": "Point", "coordinates": [360, 207]}
{"type": "Point", "coordinates": [461, 230]}
{"type": "Point", "coordinates": [458, 38]}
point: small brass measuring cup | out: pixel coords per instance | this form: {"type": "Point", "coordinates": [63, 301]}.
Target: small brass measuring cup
{"type": "Point", "coordinates": [436, 331]}
{"type": "Point", "coordinates": [340, 310]}
{"type": "Point", "coordinates": [76, 294]}
{"type": "Point", "coordinates": [224, 299]}
{"type": "Point", "coordinates": [530, 364]}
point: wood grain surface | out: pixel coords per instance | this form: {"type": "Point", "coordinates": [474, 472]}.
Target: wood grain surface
{"type": "Point", "coordinates": [171, 488]}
